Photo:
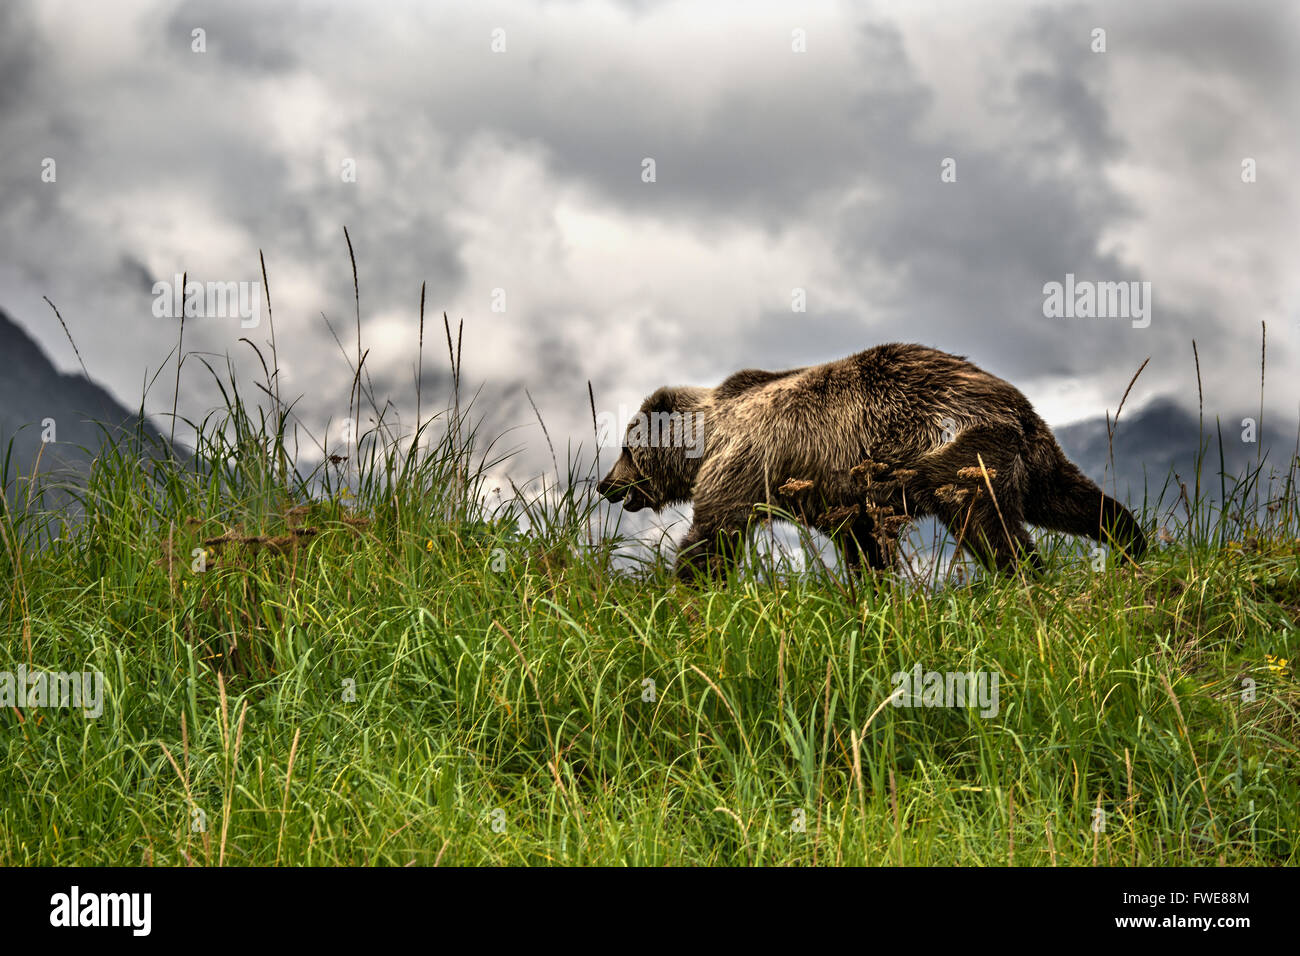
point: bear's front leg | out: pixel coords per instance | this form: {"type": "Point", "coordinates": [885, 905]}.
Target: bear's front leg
{"type": "Point", "coordinates": [861, 545]}
{"type": "Point", "coordinates": [707, 554]}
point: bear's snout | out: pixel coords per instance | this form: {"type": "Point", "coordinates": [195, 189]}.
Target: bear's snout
{"type": "Point", "coordinates": [621, 485]}
{"type": "Point", "coordinates": [610, 491]}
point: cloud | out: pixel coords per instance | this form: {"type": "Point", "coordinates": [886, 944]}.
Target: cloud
{"type": "Point", "coordinates": [20, 52]}
{"type": "Point", "coordinates": [246, 34]}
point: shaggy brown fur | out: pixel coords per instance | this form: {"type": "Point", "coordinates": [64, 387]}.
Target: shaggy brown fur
{"type": "Point", "coordinates": [856, 448]}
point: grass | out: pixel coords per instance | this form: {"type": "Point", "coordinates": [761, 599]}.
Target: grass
{"type": "Point", "coordinates": [367, 665]}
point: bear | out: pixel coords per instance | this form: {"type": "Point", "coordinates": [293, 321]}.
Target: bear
{"type": "Point", "coordinates": [856, 449]}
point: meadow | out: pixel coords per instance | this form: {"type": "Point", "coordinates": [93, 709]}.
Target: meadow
{"type": "Point", "coordinates": [378, 661]}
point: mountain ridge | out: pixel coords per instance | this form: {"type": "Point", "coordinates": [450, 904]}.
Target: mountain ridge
{"type": "Point", "coordinates": [33, 393]}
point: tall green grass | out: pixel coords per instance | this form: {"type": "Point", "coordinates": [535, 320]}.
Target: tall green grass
{"type": "Point", "coordinates": [378, 662]}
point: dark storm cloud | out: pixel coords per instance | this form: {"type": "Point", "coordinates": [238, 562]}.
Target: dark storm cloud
{"type": "Point", "coordinates": [1252, 44]}
{"type": "Point", "coordinates": [245, 33]}
{"type": "Point", "coordinates": [757, 151]}
{"type": "Point", "coordinates": [21, 49]}
{"type": "Point", "coordinates": [780, 339]}
{"type": "Point", "coordinates": [134, 273]}
{"type": "Point", "coordinates": [169, 132]}
{"type": "Point", "coordinates": [977, 252]}
{"type": "Point", "coordinates": [973, 255]}
{"type": "Point", "coordinates": [1063, 102]}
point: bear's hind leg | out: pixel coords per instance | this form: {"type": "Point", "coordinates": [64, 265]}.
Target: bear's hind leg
{"type": "Point", "coordinates": [999, 542]}
{"type": "Point", "coordinates": [976, 485]}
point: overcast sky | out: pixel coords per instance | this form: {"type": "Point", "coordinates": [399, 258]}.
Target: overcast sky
{"type": "Point", "coordinates": [522, 170]}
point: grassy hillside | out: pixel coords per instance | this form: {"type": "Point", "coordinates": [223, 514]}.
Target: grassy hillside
{"type": "Point", "coordinates": [366, 666]}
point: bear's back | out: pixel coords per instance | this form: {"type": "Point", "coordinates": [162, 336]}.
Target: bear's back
{"type": "Point", "coordinates": [898, 397]}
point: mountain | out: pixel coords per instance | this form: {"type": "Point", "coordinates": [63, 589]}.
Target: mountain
{"type": "Point", "coordinates": [33, 392]}
{"type": "Point", "coordinates": [1162, 438]}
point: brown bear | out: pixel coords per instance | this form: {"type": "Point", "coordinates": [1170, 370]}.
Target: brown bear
{"type": "Point", "coordinates": [855, 449]}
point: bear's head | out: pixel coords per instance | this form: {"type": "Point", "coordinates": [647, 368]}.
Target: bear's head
{"type": "Point", "coordinates": [662, 451]}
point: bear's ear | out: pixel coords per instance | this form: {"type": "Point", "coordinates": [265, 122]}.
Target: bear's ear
{"type": "Point", "coordinates": [663, 400]}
